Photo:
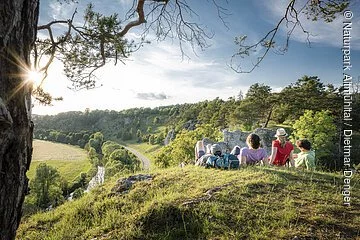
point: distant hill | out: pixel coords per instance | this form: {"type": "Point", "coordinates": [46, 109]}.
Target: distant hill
{"type": "Point", "coordinates": [114, 125]}
{"type": "Point", "coordinates": [198, 203]}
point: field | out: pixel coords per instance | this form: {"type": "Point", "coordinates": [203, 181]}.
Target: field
{"type": "Point", "coordinates": [69, 160]}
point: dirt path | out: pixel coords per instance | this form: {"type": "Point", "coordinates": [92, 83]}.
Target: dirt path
{"type": "Point", "coordinates": [143, 159]}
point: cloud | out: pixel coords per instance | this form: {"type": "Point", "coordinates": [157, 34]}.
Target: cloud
{"type": "Point", "coordinates": [164, 61]}
{"type": "Point", "coordinates": [61, 11]}
{"type": "Point", "coordinates": [328, 34]}
{"type": "Point", "coordinates": [152, 96]}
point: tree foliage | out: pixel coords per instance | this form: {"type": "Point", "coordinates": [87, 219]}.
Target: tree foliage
{"type": "Point", "coordinates": [259, 106]}
{"type": "Point", "coordinates": [182, 148]}
{"type": "Point", "coordinates": [46, 186]}
{"type": "Point", "coordinates": [121, 161]}
{"type": "Point", "coordinates": [310, 93]}
{"type": "Point", "coordinates": [254, 109]}
{"type": "Point", "coordinates": [320, 130]}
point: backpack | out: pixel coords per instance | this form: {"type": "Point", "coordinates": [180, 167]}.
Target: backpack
{"type": "Point", "coordinates": [211, 161]}
{"type": "Point", "coordinates": [231, 161]}
{"type": "Point", "coordinates": [227, 161]}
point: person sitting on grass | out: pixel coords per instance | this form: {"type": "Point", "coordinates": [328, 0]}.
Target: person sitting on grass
{"type": "Point", "coordinates": [306, 158]}
{"type": "Point", "coordinates": [202, 160]}
{"type": "Point", "coordinates": [282, 150]}
{"type": "Point", "coordinates": [199, 150]}
{"type": "Point", "coordinates": [253, 154]}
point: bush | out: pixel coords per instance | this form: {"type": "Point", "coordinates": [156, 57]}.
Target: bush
{"type": "Point", "coordinates": [320, 130]}
{"type": "Point", "coordinates": [182, 148]}
{"type": "Point", "coordinates": [78, 193]}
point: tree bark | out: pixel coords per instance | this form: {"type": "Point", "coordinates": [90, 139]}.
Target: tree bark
{"type": "Point", "coordinates": [18, 22]}
{"type": "Point", "coordinates": [268, 117]}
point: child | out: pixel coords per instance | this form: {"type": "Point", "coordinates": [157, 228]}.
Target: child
{"type": "Point", "coordinates": [199, 150]}
{"type": "Point", "coordinates": [306, 158]}
{"type": "Point", "coordinates": [253, 154]}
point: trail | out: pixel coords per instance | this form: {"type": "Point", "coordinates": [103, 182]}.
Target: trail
{"type": "Point", "coordinates": [145, 161]}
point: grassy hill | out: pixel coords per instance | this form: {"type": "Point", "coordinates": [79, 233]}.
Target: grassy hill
{"type": "Point", "coordinates": [69, 160]}
{"type": "Point", "coordinates": [198, 203]}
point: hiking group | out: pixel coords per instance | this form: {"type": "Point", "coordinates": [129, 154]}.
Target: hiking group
{"type": "Point", "coordinates": [282, 153]}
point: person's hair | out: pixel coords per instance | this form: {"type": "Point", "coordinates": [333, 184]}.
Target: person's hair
{"type": "Point", "coordinates": [303, 143]}
{"type": "Point", "coordinates": [253, 140]}
{"type": "Point", "coordinates": [282, 140]}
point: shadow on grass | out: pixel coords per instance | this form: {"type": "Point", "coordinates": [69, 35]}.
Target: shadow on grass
{"type": "Point", "coordinates": [322, 229]}
{"type": "Point", "coordinates": [172, 222]}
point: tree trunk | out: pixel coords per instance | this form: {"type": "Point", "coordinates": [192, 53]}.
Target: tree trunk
{"type": "Point", "coordinates": [268, 117]}
{"type": "Point", "coordinates": [18, 22]}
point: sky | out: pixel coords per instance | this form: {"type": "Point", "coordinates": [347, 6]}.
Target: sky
{"type": "Point", "coordinates": [158, 75]}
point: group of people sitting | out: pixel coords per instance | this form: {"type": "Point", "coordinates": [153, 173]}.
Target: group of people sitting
{"type": "Point", "coordinates": [282, 152]}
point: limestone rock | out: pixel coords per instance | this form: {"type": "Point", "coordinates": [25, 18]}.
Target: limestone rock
{"type": "Point", "coordinates": [190, 125]}
{"type": "Point", "coordinates": [169, 137]}
{"type": "Point", "coordinates": [124, 184]}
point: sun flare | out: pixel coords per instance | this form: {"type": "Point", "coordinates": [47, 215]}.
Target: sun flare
{"type": "Point", "coordinates": [35, 77]}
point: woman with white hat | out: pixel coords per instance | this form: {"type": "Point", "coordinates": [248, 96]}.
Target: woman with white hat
{"type": "Point", "coordinates": [282, 150]}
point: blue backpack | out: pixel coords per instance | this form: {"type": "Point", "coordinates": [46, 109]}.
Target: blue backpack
{"type": "Point", "coordinates": [227, 161]}
{"type": "Point", "coordinates": [231, 161]}
{"type": "Point", "coordinates": [211, 161]}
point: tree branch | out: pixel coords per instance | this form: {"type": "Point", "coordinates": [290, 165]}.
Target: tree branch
{"type": "Point", "coordinates": [101, 39]}
{"type": "Point", "coordinates": [312, 9]}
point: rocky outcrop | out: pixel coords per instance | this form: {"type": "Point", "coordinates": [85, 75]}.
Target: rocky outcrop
{"type": "Point", "coordinates": [190, 125]}
{"type": "Point", "coordinates": [169, 137]}
{"type": "Point", "coordinates": [97, 179]}
{"type": "Point", "coordinates": [123, 185]}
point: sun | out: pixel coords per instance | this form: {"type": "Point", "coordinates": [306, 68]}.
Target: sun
{"type": "Point", "coordinates": [34, 77]}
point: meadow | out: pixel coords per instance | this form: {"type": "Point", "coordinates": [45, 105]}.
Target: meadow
{"type": "Point", "coordinates": [199, 203]}
{"type": "Point", "coordinates": [69, 160]}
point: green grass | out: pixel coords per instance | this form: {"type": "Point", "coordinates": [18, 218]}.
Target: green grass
{"type": "Point", "coordinates": [67, 169]}
{"type": "Point", "coordinates": [251, 203]}
{"type": "Point", "coordinates": [69, 160]}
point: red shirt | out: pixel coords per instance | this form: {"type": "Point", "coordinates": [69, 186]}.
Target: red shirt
{"type": "Point", "coordinates": [282, 153]}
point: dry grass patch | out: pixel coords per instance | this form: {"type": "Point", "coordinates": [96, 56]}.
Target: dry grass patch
{"type": "Point", "coordinates": [69, 160]}
{"type": "Point", "coordinates": [44, 150]}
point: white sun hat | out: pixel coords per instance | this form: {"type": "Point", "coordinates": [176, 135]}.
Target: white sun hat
{"type": "Point", "coordinates": [280, 132]}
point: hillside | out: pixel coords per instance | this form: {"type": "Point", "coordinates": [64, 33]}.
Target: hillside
{"type": "Point", "coordinates": [198, 203]}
